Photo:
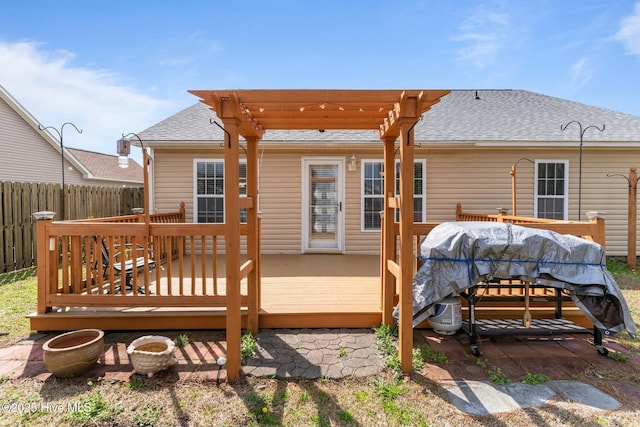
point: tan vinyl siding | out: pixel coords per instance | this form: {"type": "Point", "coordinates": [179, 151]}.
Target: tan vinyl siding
{"type": "Point", "coordinates": [281, 202]}
{"type": "Point", "coordinates": [476, 177]}
{"type": "Point", "coordinates": [358, 241]}
{"type": "Point", "coordinates": [480, 180]}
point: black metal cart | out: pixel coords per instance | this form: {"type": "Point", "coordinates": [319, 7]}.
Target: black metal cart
{"type": "Point", "coordinates": [476, 328]}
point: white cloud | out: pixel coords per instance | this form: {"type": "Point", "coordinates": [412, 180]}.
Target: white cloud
{"type": "Point", "coordinates": [629, 32]}
{"type": "Point", "coordinates": [55, 91]}
{"type": "Point", "coordinates": [581, 72]}
{"type": "Point", "coordinates": [485, 33]}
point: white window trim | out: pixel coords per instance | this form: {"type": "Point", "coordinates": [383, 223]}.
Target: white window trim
{"type": "Point", "coordinates": [566, 186]}
{"type": "Point", "coordinates": [305, 162]}
{"type": "Point", "coordinates": [362, 195]}
{"type": "Point", "coordinates": [424, 186]}
{"type": "Point", "coordinates": [195, 186]}
{"type": "Point", "coordinates": [397, 162]}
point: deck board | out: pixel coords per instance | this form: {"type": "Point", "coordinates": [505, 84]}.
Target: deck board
{"type": "Point", "coordinates": [316, 290]}
{"type": "Point", "coordinates": [320, 283]}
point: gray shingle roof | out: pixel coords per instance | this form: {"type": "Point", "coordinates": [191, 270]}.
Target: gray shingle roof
{"type": "Point", "coordinates": [497, 116]}
{"type": "Point", "coordinates": [518, 115]}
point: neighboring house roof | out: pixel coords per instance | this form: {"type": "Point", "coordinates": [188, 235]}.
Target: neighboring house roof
{"type": "Point", "coordinates": [93, 167]}
{"type": "Point", "coordinates": [105, 166]}
{"type": "Point", "coordinates": [491, 117]}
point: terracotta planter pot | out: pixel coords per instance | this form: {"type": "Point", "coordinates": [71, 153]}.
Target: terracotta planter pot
{"type": "Point", "coordinates": [73, 353]}
{"type": "Point", "coordinates": [151, 354]}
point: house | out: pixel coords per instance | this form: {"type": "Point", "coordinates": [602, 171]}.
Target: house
{"type": "Point", "coordinates": [320, 191]}
{"type": "Point", "coordinates": [302, 186]}
{"type": "Point", "coordinates": [32, 155]}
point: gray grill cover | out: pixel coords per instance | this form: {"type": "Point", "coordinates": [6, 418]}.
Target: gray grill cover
{"type": "Point", "coordinates": [458, 255]}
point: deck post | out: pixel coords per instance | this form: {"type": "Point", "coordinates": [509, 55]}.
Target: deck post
{"type": "Point", "coordinates": [388, 232]}
{"type": "Point", "coordinates": [232, 246]}
{"type": "Point", "coordinates": [253, 234]}
{"type": "Point", "coordinates": [409, 113]}
{"type": "Point", "coordinates": [43, 257]}
{"type": "Point", "coordinates": [405, 324]}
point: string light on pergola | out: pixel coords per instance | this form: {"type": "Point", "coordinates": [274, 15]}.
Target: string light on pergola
{"type": "Point", "coordinates": [324, 106]}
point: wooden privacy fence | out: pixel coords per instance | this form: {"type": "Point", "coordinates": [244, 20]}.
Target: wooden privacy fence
{"type": "Point", "coordinates": [19, 200]}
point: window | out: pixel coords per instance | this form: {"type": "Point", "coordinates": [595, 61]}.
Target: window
{"type": "Point", "coordinates": [551, 189]}
{"type": "Point", "coordinates": [209, 190]}
{"type": "Point", "coordinates": [373, 192]}
{"type": "Point", "coordinates": [419, 201]}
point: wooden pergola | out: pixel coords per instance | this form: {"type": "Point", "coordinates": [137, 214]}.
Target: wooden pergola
{"type": "Point", "coordinates": [248, 113]}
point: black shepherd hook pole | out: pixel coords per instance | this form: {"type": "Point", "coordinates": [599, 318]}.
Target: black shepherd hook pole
{"type": "Point", "coordinates": [61, 140]}
{"type": "Point", "coordinates": [582, 131]}
{"type": "Point", "coordinates": [213, 122]}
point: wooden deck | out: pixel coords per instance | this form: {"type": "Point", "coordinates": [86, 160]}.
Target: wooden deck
{"type": "Point", "coordinates": [343, 290]}
{"type": "Point", "coordinates": [298, 291]}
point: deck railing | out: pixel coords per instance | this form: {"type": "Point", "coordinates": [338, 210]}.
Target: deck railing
{"type": "Point", "coordinates": [80, 264]}
{"type": "Point", "coordinates": [156, 218]}
{"type": "Point", "coordinates": [593, 230]}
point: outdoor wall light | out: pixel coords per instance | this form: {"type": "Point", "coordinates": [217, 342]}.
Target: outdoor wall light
{"type": "Point", "coordinates": [352, 163]}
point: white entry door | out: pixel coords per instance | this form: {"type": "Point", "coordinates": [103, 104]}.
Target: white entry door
{"type": "Point", "coordinates": [323, 210]}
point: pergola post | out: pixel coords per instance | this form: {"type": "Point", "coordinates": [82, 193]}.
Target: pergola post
{"type": "Point", "coordinates": [388, 240]}
{"type": "Point", "coordinates": [232, 246]}
{"type": "Point", "coordinates": [405, 324]}
{"type": "Point", "coordinates": [253, 234]}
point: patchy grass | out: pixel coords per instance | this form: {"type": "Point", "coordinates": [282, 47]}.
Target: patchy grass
{"type": "Point", "coordinates": [382, 400]}
{"type": "Point", "coordinates": [181, 340]}
{"type": "Point", "coordinates": [494, 372]}
{"type": "Point", "coordinates": [248, 345]}
{"type": "Point", "coordinates": [617, 356]}
{"type": "Point", "coordinates": [18, 292]}
{"type": "Point", "coordinates": [629, 282]}
{"type": "Point", "coordinates": [534, 379]}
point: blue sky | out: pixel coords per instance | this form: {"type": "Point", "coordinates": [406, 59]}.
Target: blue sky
{"type": "Point", "coordinates": [114, 67]}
